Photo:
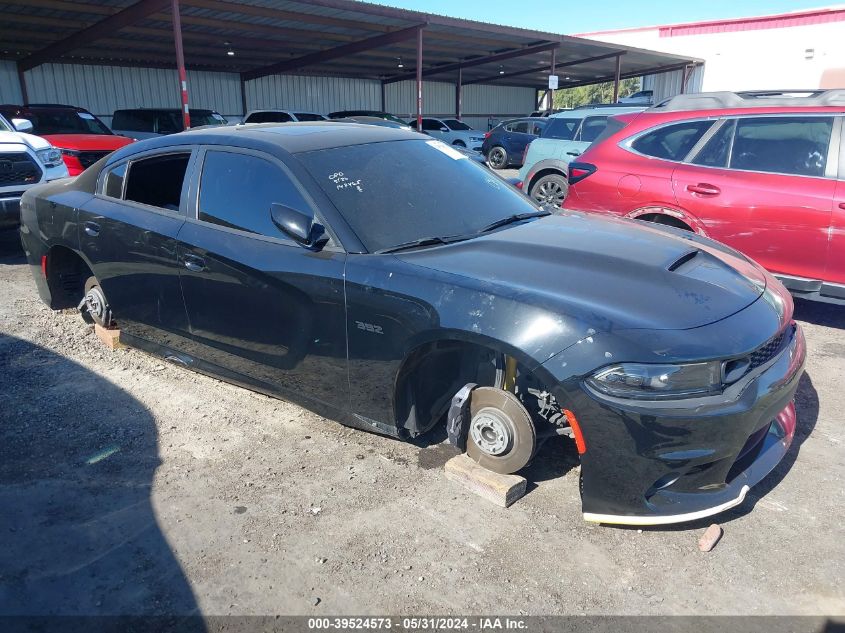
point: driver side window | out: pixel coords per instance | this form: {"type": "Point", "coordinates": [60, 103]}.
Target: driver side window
{"type": "Point", "coordinates": [431, 124]}
{"type": "Point", "coordinates": [236, 191]}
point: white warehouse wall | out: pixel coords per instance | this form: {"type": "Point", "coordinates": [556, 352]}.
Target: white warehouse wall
{"type": "Point", "coordinates": [104, 89]}
{"type": "Point", "coordinates": [762, 58]}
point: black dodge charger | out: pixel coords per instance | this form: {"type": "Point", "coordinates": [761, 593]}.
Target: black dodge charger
{"type": "Point", "coordinates": [383, 279]}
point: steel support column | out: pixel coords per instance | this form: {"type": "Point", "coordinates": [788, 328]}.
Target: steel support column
{"type": "Point", "coordinates": [22, 80]}
{"type": "Point", "coordinates": [616, 78]}
{"type": "Point", "coordinates": [243, 95]}
{"type": "Point", "coordinates": [551, 90]}
{"type": "Point", "coordinates": [458, 95]}
{"type": "Point", "coordinates": [419, 78]}
{"type": "Point", "coordinates": [383, 98]}
{"type": "Point", "coordinates": [180, 63]}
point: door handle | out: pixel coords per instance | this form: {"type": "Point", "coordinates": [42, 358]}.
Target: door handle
{"type": "Point", "coordinates": [574, 153]}
{"type": "Point", "coordinates": [704, 189]}
{"type": "Point", "coordinates": [194, 263]}
{"type": "Point", "coordinates": [842, 205]}
{"type": "Point", "coordinates": [92, 229]}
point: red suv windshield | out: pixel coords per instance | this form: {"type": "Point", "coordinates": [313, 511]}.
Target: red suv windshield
{"type": "Point", "coordinates": [64, 121]}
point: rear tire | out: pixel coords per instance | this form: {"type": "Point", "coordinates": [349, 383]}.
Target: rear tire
{"type": "Point", "coordinates": [497, 157]}
{"type": "Point", "coordinates": [550, 189]}
{"type": "Point", "coordinates": [95, 308]}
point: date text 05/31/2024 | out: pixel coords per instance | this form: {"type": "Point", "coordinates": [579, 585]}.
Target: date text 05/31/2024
{"type": "Point", "coordinates": [418, 624]}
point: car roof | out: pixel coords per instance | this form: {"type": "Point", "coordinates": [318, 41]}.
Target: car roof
{"type": "Point", "coordinates": [163, 110]}
{"type": "Point", "coordinates": [585, 111]}
{"type": "Point", "coordinates": [290, 137]}
{"type": "Point", "coordinates": [40, 106]}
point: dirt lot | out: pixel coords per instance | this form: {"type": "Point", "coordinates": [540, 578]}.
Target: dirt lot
{"type": "Point", "coordinates": [128, 485]}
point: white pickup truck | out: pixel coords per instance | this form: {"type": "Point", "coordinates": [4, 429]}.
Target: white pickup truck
{"type": "Point", "coordinates": [25, 161]}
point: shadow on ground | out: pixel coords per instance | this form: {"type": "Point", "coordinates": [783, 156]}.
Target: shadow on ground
{"type": "Point", "coordinates": [79, 534]}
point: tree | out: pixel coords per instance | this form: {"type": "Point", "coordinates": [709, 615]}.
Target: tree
{"type": "Point", "coordinates": [594, 93]}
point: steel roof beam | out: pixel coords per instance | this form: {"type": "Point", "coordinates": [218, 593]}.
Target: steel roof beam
{"type": "Point", "coordinates": [574, 62]}
{"type": "Point", "coordinates": [334, 53]}
{"type": "Point", "coordinates": [478, 61]}
{"type": "Point", "coordinates": [103, 28]}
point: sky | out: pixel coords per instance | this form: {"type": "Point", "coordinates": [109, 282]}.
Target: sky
{"type": "Point", "coordinates": [571, 17]}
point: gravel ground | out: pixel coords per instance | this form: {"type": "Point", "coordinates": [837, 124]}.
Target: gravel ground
{"type": "Point", "coordinates": [130, 486]}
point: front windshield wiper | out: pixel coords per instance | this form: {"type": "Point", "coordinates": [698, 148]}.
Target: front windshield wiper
{"type": "Point", "coordinates": [514, 218]}
{"type": "Point", "coordinates": [423, 241]}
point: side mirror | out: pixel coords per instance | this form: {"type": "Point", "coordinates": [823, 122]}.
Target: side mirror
{"type": "Point", "coordinates": [298, 225]}
{"type": "Point", "coordinates": [22, 125]}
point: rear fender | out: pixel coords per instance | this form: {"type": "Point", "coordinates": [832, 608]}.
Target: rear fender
{"type": "Point", "coordinates": [543, 167]}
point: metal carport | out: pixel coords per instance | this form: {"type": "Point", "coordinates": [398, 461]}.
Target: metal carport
{"type": "Point", "coordinates": [334, 38]}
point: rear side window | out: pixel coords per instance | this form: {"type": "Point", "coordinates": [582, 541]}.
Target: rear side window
{"type": "Point", "coordinates": [671, 142]}
{"type": "Point", "coordinates": [268, 117]}
{"type": "Point", "coordinates": [718, 149]}
{"type": "Point", "coordinates": [562, 129]}
{"type": "Point", "coordinates": [535, 128]}
{"type": "Point", "coordinates": [431, 124]}
{"type": "Point", "coordinates": [520, 127]}
{"type": "Point", "coordinates": [171, 122]}
{"type": "Point", "coordinates": [157, 181]}
{"type": "Point", "coordinates": [593, 126]}
{"type": "Point", "coordinates": [114, 182]}
{"type": "Point", "coordinates": [308, 116]}
{"type": "Point", "coordinates": [785, 145]}
{"type": "Point", "coordinates": [236, 191]}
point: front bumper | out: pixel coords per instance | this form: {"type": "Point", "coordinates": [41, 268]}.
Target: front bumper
{"type": "Point", "coordinates": [10, 210]}
{"type": "Point", "coordinates": [653, 464]}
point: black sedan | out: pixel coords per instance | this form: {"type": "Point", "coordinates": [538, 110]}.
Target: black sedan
{"type": "Point", "coordinates": [383, 279]}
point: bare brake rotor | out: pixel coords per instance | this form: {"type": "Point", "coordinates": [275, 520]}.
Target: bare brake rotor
{"type": "Point", "coordinates": [501, 433]}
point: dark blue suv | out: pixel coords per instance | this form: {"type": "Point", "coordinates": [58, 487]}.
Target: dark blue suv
{"type": "Point", "coordinates": [505, 144]}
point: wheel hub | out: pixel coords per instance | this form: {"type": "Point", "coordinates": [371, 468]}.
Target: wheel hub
{"type": "Point", "coordinates": [95, 303]}
{"type": "Point", "coordinates": [492, 431]}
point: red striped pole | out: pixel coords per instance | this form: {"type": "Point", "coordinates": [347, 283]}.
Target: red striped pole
{"type": "Point", "coordinates": [180, 63]}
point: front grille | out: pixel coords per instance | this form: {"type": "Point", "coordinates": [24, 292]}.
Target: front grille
{"type": "Point", "coordinates": [767, 352]}
{"type": "Point", "coordinates": [18, 168]}
{"type": "Point", "coordinates": [89, 158]}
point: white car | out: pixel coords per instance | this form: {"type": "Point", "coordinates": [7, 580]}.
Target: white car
{"type": "Point", "coordinates": [281, 116]}
{"type": "Point", "coordinates": [25, 161]}
{"type": "Point", "coordinates": [643, 97]}
{"type": "Point", "coordinates": [452, 131]}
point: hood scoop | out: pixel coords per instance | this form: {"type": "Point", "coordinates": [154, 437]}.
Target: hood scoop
{"type": "Point", "coordinates": [682, 260]}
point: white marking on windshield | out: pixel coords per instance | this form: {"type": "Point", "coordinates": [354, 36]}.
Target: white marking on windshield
{"type": "Point", "coordinates": [342, 182]}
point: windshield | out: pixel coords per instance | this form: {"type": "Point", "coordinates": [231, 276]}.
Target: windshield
{"type": "Point", "coordinates": [206, 118]}
{"type": "Point", "coordinates": [454, 124]}
{"type": "Point", "coordinates": [68, 121]}
{"type": "Point", "coordinates": [395, 192]}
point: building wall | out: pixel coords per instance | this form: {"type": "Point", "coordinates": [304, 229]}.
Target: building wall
{"type": "Point", "coordinates": [482, 106]}
{"type": "Point", "coordinates": [104, 89]}
{"type": "Point", "coordinates": [313, 94]}
{"type": "Point", "coordinates": [755, 58]}
{"type": "Point", "coordinates": [667, 85]}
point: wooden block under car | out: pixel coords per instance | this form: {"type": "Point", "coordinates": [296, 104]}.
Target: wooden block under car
{"type": "Point", "coordinates": [502, 490]}
{"type": "Point", "coordinates": [111, 338]}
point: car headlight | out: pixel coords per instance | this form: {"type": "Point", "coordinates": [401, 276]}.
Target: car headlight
{"type": "Point", "coordinates": [50, 157]}
{"type": "Point", "coordinates": [642, 381]}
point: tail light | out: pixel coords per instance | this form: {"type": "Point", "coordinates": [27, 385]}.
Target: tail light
{"type": "Point", "coordinates": [579, 171]}
{"type": "Point", "coordinates": [519, 185]}
{"type": "Point", "coordinates": [525, 152]}
{"type": "Point", "coordinates": [44, 266]}
{"type": "Point", "coordinates": [487, 134]}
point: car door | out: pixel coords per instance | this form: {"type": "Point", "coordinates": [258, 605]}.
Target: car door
{"type": "Point", "coordinates": [835, 270]}
{"type": "Point", "coordinates": [518, 137]}
{"type": "Point", "coordinates": [762, 185]}
{"type": "Point", "coordinates": [128, 234]}
{"type": "Point", "coordinates": [260, 306]}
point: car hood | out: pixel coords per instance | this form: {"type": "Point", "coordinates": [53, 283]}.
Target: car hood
{"type": "Point", "coordinates": [34, 142]}
{"type": "Point", "coordinates": [93, 142]}
{"type": "Point", "coordinates": [607, 273]}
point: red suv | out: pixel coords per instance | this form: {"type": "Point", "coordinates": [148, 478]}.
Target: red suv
{"type": "Point", "coordinates": [763, 174]}
{"type": "Point", "coordinates": [81, 137]}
